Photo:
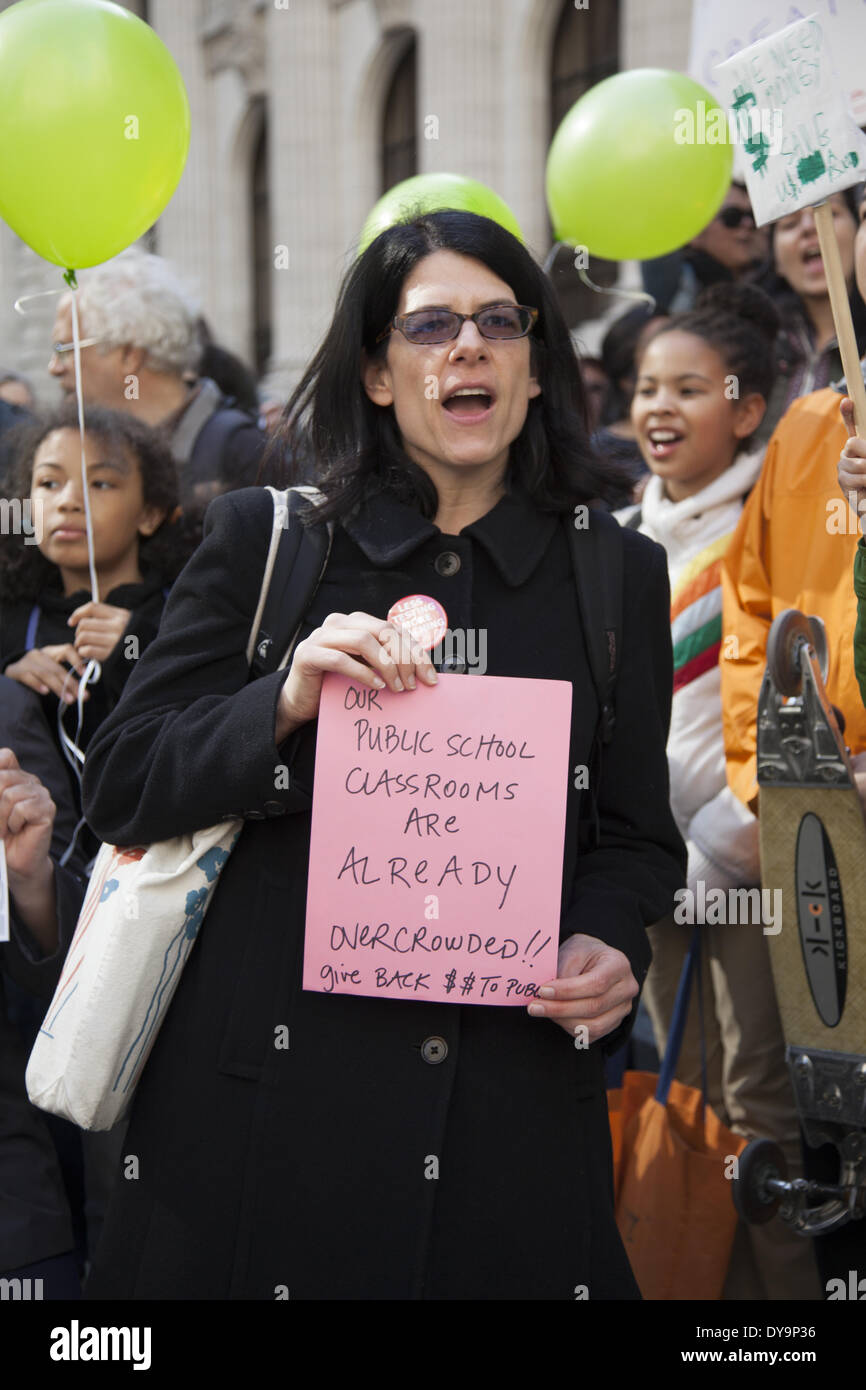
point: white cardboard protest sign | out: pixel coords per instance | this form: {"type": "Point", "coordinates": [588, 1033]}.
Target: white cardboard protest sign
{"type": "Point", "coordinates": [787, 84]}
{"type": "Point", "coordinates": [720, 30]}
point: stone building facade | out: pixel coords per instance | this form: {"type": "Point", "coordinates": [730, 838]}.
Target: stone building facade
{"type": "Point", "coordinates": [304, 111]}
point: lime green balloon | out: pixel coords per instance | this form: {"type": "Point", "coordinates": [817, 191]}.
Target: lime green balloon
{"type": "Point", "coordinates": [632, 172]}
{"type": "Point", "coordinates": [94, 128]}
{"type": "Point", "coordinates": [432, 193]}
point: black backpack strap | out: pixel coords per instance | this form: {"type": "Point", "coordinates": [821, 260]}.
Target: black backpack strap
{"type": "Point", "coordinates": [211, 441]}
{"type": "Point", "coordinates": [301, 557]}
{"type": "Point", "coordinates": [596, 555]}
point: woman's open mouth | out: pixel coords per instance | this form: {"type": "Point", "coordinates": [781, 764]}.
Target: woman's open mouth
{"type": "Point", "coordinates": [663, 442]}
{"type": "Point", "coordinates": [469, 405]}
{"type": "Point", "coordinates": [813, 261]}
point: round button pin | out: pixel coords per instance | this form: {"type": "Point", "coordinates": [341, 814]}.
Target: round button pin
{"type": "Point", "coordinates": [422, 617]}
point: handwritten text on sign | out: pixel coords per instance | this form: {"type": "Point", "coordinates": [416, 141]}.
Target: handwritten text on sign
{"type": "Point", "coordinates": [437, 839]}
{"type": "Point", "coordinates": [720, 30]}
{"type": "Point", "coordinates": [821, 151]}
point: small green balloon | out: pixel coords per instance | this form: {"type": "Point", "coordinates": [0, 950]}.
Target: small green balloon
{"type": "Point", "coordinates": [432, 193]}
{"type": "Point", "coordinates": [94, 127]}
{"type": "Point", "coordinates": [639, 165]}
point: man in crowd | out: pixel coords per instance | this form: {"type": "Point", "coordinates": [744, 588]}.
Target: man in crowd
{"type": "Point", "coordinates": [140, 351]}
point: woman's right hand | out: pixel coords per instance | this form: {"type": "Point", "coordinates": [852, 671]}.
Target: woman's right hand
{"type": "Point", "coordinates": [42, 670]}
{"type": "Point", "coordinates": [368, 650]}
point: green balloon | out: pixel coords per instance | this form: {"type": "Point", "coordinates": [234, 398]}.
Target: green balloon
{"type": "Point", "coordinates": [94, 128]}
{"type": "Point", "coordinates": [623, 177]}
{"type": "Point", "coordinates": [432, 193]}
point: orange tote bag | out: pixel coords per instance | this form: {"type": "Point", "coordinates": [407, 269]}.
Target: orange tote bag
{"type": "Point", "coordinates": [672, 1168]}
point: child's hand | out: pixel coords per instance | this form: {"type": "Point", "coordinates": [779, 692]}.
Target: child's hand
{"type": "Point", "coordinates": [98, 629]}
{"type": "Point", "coordinates": [852, 464]}
{"type": "Point", "coordinates": [42, 670]}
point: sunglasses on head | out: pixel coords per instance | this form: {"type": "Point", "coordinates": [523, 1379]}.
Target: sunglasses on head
{"type": "Point", "coordinates": [733, 217]}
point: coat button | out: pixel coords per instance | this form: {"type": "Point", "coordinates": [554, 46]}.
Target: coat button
{"type": "Point", "coordinates": [274, 808]}
{"type": "Point", "coordinates": [434, 1050]}
{"type": "Point", "coordinates": [454, 666]}
{"type": "Point", "coordinates": [254, 815]}
{"type": "Point", "coordinates": [447, 563]}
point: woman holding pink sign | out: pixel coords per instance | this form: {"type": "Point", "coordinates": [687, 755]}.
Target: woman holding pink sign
{"type": "Point", "coordinates": [319, 1143]}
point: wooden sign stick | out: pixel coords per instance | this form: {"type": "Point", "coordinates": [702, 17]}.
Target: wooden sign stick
{"type": "Point", "coordinates": [841, 307]}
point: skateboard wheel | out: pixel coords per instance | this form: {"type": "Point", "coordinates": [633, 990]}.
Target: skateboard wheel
{"type": "Point", "coordinates": [787, 635]}
{"type": "Point", "coordinates": [839, 717]}
{"type": "Point", "coordinates": [760, 1160]}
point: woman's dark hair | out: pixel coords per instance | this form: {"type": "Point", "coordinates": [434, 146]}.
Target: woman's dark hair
{"type": "Point", "coordinates": [618, 353]}
{"type": "Point", "coordinates": [232, 376]}
{"type": "Point", "coordinates": [24, 570]}
{"type": "Point", "coordinates": [740, 323]}
{"type": "Point", "coordinates": [787, 300]}
{"type": "Point", "coordinates": [352, 447]}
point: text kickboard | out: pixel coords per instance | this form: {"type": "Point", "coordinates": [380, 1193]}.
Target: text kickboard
{"type": "Point", "coordinates": [800, 142]}
{"type": "Point", "coordinates": [437, 839]}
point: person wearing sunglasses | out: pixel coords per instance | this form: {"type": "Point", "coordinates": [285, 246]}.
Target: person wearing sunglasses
{"type": "Point", "coordinates": [445, 414]}
{"type": "Point", "coordinates": [729, 248]}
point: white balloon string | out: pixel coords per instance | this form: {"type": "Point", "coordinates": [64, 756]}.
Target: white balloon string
{"type": "Point", "coordinates": [76, 352]}
{"type": "Point", "coordinates": [551, 257]}
{"type": "Point", "coordinates": [26, 298]}
{"type": "Point", "coordinates": [93, 670]}
{"type": "Point", "coordinates": [639, 296]}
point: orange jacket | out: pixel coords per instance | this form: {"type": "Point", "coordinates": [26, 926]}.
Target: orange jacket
{"type": "Point", "coordinates": [793, 548]}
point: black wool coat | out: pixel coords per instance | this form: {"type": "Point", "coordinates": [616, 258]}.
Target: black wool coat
{"type": "Point", "coordinates": [267, 1172]}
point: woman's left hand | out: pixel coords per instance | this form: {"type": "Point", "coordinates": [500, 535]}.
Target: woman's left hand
{"type": "Point", "coordinates": [851, 472]}
{"type": "Point", "coordinates": [98, 629]}
{"type": "Point", "coordinates": [594, 989]}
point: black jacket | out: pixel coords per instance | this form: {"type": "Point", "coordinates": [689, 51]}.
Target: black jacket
{"type": "Point", "coordinates": [217, 447]}
{"type": "Point", "coordinates": [145, 601]}
{"type": "Point", "coordinates": [34, 1214]}
{"type": "Point", "coordinates": [304, 1168]}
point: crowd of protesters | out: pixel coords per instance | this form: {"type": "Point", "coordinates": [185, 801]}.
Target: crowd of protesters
{"type": "Point", "coordinates": [721, 479]}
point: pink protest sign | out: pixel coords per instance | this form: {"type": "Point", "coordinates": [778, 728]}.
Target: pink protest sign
{"type": "Point", "coordinates": [437, 839]}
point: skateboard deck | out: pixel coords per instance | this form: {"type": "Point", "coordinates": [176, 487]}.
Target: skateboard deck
{"type": "Point", "coordinates": [813, 851]}
{"type": "Point", "coordinates": [813, 848]}
{"type": "Point", "coordinates": [813, 856]}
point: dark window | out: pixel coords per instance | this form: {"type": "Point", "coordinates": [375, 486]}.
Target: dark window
{"type": "Point", "coordinates": [399, 121]}
{"type": "Point", "coordinates": [585, 51]}
{"type": "Point", "coordinates": [263, 251]}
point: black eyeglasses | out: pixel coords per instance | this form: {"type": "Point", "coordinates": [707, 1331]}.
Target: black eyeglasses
{"type": "Point", "coordinates": [497, 321]}
{"type": "Point", "coordinates": [733, 217]}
